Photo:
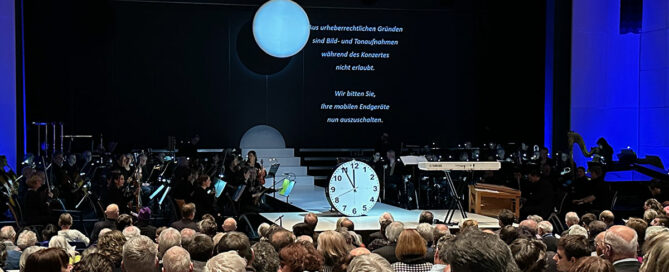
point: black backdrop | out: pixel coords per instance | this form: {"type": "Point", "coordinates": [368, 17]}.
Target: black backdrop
{"type": "Point", "coordinates": [138, 72]}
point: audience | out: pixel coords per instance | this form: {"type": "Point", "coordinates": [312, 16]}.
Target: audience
{"type": "Point", "coordinates": [545, 232]}
{"type": "Point", "coordinates": [570, 219]}
{"type": "Point", "coordinates": [200, 250]}
{"type": "Point", "coordinates": [11, 252]}
{"type": "Point", "coordinates": [298, 257]}
{"type": "Point", "coordinates": [187, 215]}
{"type": "Point", "coordinates": [131, 232]}
{"type": "Point", "coordinates": [111, 245]}
{"type": "Point", "coordinates": [238, 242]}
{"type": "Point", "coordinates": [94, 262]}
{"type": "Point", "coordinates": [426, 217]}
{"type": "Point", "coordinates": [506, 218]}
{"type": "Point", "coordinates": [620, 248]}
{"type": "Point", "coordinates": [508, 234]}
{"type": "Point", "coordinates": [607, 217]}
{"type": "Point", "coordinates": [139, 255]}
{"type": "Point", "coordinates": [48, 260]}
{"type": "Point", "coordinates": [281, 238]}
{"type": "Point", "coordinates": [587, 218]}
{"type": "Point", "coordinates": [529, 254]}
{"type": "Point", "coordinates": [392, 233]}
{"type": "Point", "coordinates": [187, 235]}
{"type": "Point", "coordinates": [167, 239]}
{"type": "Point", "coordinates": [332, 246]}
{"type": "Point", "coordinates": [26, 253]}
{"type": "Point", "coordinates": [72, 235]}
{"type": "Point", "coordinates": [410, 252]}
{"type": "Point", "coordinates": [592, 264]}
{"type": "Point", "coordinates": [123, 221]}
{"type": "Point", "coordinates": [478, 251]}
{"type": "Point", "coordinates": [227, 261]}
{"type": "Point", "coordinates": [177, 259]}
{"type": "Point", "coordinates": [442, 247]}
{"type": "Point", "coordinates": [229, 224]}
{"type": "Point", "coordinates": [570, 249]}
{"type": "Point", "coordinates": [143, 218]}
{"type": "Point", "coordinates": [369, 263]}
{"type": "Point", "coordinates": [656, 254]}
{"type": "Point", "coordinates": [265, 258]}
{"type": "Point", "coordinates": [111, 214]}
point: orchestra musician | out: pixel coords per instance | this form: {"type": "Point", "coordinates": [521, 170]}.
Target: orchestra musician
{"type": "Point", "coordinates": [37, 209]}
{"type": "Point", "coordinates": [114, 193]}
{"type": "Point", "coordinates": [203, 197]}
{"type": "Point", "coordinates": [394, 180]}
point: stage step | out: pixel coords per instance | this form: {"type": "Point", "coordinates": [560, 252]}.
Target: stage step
{"type": "Point", "coordinates": [271, 153]}
{"type": "Point", "coordinates": [296, 170]}
{"type": "Point", "coordinates": [285, 162]}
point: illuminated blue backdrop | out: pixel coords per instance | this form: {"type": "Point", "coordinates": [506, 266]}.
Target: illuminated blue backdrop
{"type": "Point", "coordinates": [619, 87]}
{"type": "Point", "coordinates": [7, 82]}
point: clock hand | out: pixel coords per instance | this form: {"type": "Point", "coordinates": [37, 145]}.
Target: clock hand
{"type": "Point", "coordinates": [349, 179]}
{"type": "Point", "coordinates": [346, 192]}
{"type": "Point", "coordinates": [353, 178]}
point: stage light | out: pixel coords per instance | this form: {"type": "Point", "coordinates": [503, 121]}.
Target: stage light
{"type": "Point", "coordinates": [281, 28]}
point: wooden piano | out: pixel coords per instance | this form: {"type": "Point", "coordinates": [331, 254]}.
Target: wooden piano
{"type": "Point", "coordinates": [488, 199]}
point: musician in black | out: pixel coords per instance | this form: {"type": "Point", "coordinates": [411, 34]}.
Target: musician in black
{"type": "Point", "coordinates": [394, 180]}
{"type": "Point", "coordinates": [538, 196]}
{"type": "Point", "coordinates": [115, 192]}
{"type": "Point", "coordinates": [122, 166]}
{"type": "Point", "coordinates": [37, 210]}
{"type": "Point", "coordinates": [660, 191]}
{"type": "Point", "coordinates": [204, 197]}
{"type": "Point", "coordinates": [593, 195]}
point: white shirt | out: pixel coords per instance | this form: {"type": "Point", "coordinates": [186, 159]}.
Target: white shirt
{"type": "Point", "coordinates": [625, 260]}
{"type": "Point", "coordinates": [74, 236]}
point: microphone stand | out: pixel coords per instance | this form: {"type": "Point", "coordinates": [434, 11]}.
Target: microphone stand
{"type": "Point", "coordinates": [280, 219]}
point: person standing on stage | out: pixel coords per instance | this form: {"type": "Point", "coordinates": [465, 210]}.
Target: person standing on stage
{"type": "Point", "coordinates": [538, 195]}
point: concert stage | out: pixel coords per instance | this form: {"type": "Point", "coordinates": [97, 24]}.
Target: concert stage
{"type": "Point", "coordinates": [311, 198]}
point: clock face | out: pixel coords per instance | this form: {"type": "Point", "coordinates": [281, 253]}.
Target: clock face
{"type": "Point", "coordinates": [353, 188]}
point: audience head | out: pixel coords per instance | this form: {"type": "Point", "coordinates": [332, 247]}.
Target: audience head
{"type": "Point", "coordinates": [111, 212]}
{"type": "Point", "coordinates": [639, 225]}
{"type": "Point", "coordinates": [65, 221]}
{"type": "Point", "coordinates": [478, 251]}
{"type": "Point", "coordinates": [652, 204]}
{"type": "Point", "coordinates": [571, 218]}
{"type": "Point", "coordinates": [426, 217]}
{"type": "Point", "coordinates": [544, 227]}
{"type": "Point", "coordinates": [7, 233]}
{"type": "Point", "coordinates": [425, 231]}
{"type": "Point", "coordinates": [596, 227]}
{"type": "Point", "coordinates": [188, 211]}
{"type": "Point", "coordinates": [94, 262]}
{"type": "Point", "coordinates": [123, 221]}
{"type": "Point", "coordinates": [25, 254]}
{"type": "Point", "coordinates": [50, 230]}
{"type": "Point", "coordinates": [649, 215]}
{"type": "Point", "coordinates": [332, 245]}
{"type": "Point", "coordinates": [529, 225]}
{"type": "Point", "coordinates": [654, 230]}
{"type": "Point", "coordinates": [111, 245]}
{"type": "Point", "coordinates": [187, 235]}
{"type": "Point", "coordinates": [48, 260]}
{"type": "Point", "coordinates": [144, 214]}
{"type": "Point", "coordinates": [607, 217]}
{"type": "Point", "coordinates": [311, 219]}
{"type": "Point", "coordinates": [656, 254]}
{"type": "Point", "coordinates": [61, 242]}
{"type": "Point", "coordinates": [300, 229]}
{"type": "Point", "coordinates": [238, 242]}
{"type": "Point", "coordinates": [529, 254]}
{"type": "Point", "coordinates": [229, 224]}
{"type": "Point", "coordinates": [369, 263]}
{"type": "Point", "coordinates": [469, 224]}
{"type": "Point", "coordinates": [410, 245]}
{"type": "Point", "coordinates": [264, 231]}
{"type": "Point", "coordinates": [209, 227]}
{"type": "Point", "coordinates": [281, 238]}
{"type": "Point", "coordinates": [599, 243]}
{"type": "Point", "coordinates": [439, 230]}
{"type": "Point", "coordinates": [508, 234]}
{"type": "Point", "coordinates": [177, 259]}
{"type": "Point", "coordinates": [348, 224]}
{"type": "Point", "coordinates": [265, 258]}
{"type": "Point", "coordinates": [131, 232]}
{"type": "Point", "coordinates": [441, 250]}
{"type": "Point", "coordinates": [620, 242]}
{"type": "Point", "coordinates": [587, 218]}
{"type": "Point", "coordinates": [227, 261]}
{"type": "Point", "coordinates": [359, 251]}
{"type": "Point", "coordinates": [298, 257]}
{"type": "Point", "coordinates": [26, 239]}
{"type": "Point", "coordinates": [592, 264]}
{"type": "Point", "coordinates": [578, 230]}
{"type": "Point", "coordinates": [200, 248]}
{"type": "Point", "coordinates": [140, 254]}
{"type": "Point", "coordinates": [570, 249]}
{"type": "Point", "coordinates": [535, 217]}
{"type": "Point", "coordinates": [660, 220]}
{"type": "Point", "coordinates": [168, 238]}
{"type": "Point", "coordinates": [506, 217]}
{"type": "Point", "coordinates": [393, 231]}
{"type": "Point", "coordinates": [305, 238]}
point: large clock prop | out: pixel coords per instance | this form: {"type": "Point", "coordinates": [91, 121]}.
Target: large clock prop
{"type": "Point", "coordinates": [353, 188]}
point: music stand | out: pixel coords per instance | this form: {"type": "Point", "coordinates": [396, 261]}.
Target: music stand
{"type": "Point", "coordinates": [272, 173]}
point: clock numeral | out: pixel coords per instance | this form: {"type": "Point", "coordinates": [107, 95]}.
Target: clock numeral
{"type": "Point", "coordinates": [344, 206]}
{"type": "Point", "coordinates": [355, 165]}
{"type": "Point", "coordinates": [338, 178]}
{"type": "Point", "coordinates": [336, 200]}
{"type": "Point", "coordinates": [354, 211]}
{"type": "Point", "coordinates": [332, 189]}
{"type": "Point", "coordinates": [375, 188]}
{"type": "Point", "coordinates": [364, 208]}
{"type": "Point", "coordinates": [371, 199]}
{"type": "Point", "coordinates": [364, 169]}
{"type": "Point", "coordinates": [372, 177]}
{"type": "Point", "coordinates": [344, 169]}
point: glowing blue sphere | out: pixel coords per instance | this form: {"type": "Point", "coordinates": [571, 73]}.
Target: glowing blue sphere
{"type": "Point", "coordinates": [281, 28]}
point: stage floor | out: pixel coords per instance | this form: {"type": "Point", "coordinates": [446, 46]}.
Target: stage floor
{"type": "Point", "coordinates": [312, 199]}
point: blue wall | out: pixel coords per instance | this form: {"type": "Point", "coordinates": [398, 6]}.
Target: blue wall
{"type": "Point", "coordinates": [8, 82]}
{"type": "Point", "coordinates": [619, 85]}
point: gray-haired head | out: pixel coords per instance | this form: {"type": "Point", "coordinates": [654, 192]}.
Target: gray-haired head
{"type": "Point", "coordinates": [227, 261]}
{"type": "Point", "coordinates": [653, 230]}
{"type": "Point", "coordinates": [131, 232]}
{"type": "Point", "coordinates": [369, 263]}
{"type": "Point", "coordinates": [393, 231]}
{"type": "Point", "coordinates": [168, 238]}
{"type": "Point", "coordinates": [26, 239]}
{"type": "Point", "coordinates": [26, 253]}
{"type": "Point", "coordinates": [139, 254]}
{"type": "Point", "coordinates": [578, 230]}
{"type": "Point", "coordinates": [177, 259]}
{"type": "Point", "coordinates": [545, 227]}
{"type": "Point", "coordinates": [425, 230]}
